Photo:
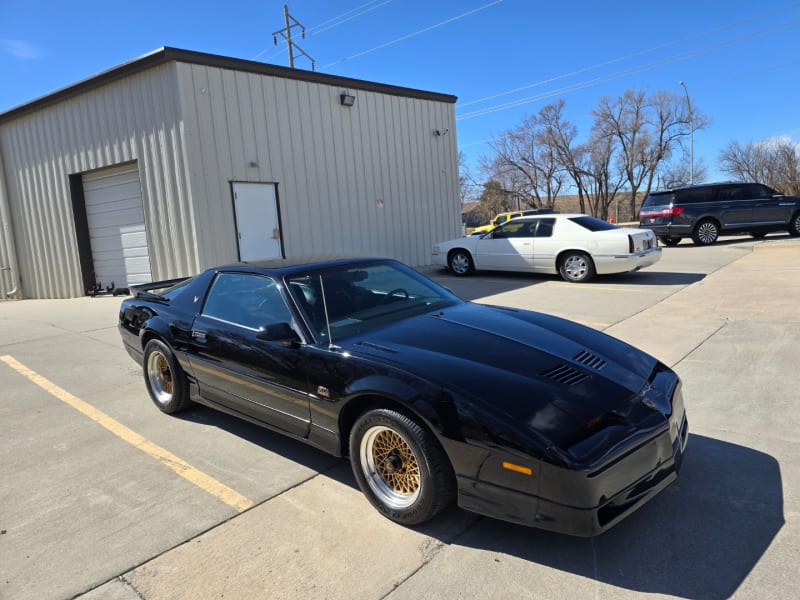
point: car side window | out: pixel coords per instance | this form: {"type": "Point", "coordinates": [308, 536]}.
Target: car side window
{"type": "Point", "coordinates": [695, 195]}
{"type": "Point", "coordinates": [758, 192]}
{"type": "Point", "coordinates": [246, 299]}
{"type": "Point", "coordinates": [513, 229]}
{"type": "Point", "coordinates": [544, 227]}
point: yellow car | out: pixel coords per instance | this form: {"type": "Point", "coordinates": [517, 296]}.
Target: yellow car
{"type": "Point", "coordinates": [505, 216]}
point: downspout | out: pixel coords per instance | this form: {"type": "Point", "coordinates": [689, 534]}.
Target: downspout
{"type": "Point", "coordinates": [8, 234]}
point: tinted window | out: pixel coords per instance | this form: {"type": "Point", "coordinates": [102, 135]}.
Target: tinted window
{"type": "Point", "coordinates": [544, 227]}
{"type": "Point", "coordinates": [246, 299]}
{"type": "Point", "coordinates": [695, 195]}
{"type": "Point", "coordinates": [592, 223]}
{"type": "Point", "coordinates": [513, 229]}
{"type": "Point", "coordinates": [734, 192]}
{"type": "Point", "coordinates": [758, 191]}
{"type": "Point", "coordinates": [659, 199]}
{"type": "Point", "coordinates": [359, 298]}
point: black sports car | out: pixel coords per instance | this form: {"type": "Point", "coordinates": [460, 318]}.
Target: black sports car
{"type": "Point", "coordinates": [517, 415]}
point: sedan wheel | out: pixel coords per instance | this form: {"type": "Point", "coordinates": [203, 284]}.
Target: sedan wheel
{"type": "Point", "coordinates": [400, 467]}
{"type": "Point", "coordinates": [576, 267]}
{"type": "Point", "coordinates": [706, 233]}
{"type": "Point", "coordinates": [460, 263]}
{"type": "Point", "coordinates": [164, 378]}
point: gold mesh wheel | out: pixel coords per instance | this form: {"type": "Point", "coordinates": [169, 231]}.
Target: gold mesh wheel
{"type": "Point", "coordinates": [160, 376]}
{"type": "Point", "coordinates": [390, 467]}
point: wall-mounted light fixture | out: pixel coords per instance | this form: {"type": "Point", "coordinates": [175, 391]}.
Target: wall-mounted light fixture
{"type": "Point", "coordinates": [346, 99]}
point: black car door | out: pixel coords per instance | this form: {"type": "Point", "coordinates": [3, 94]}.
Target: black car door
{"type": "Point", "coordinates": [239, 369]}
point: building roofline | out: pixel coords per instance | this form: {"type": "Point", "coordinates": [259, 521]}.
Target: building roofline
{"type": "Point", "coordinates": [167, 54]}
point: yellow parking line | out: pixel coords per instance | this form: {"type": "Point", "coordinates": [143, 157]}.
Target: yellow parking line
{"type": "Point", "coordinates": [182, 468]}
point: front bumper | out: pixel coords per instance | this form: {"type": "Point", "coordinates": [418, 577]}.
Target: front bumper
{"type": "Point", "coordinates": [528, 509]}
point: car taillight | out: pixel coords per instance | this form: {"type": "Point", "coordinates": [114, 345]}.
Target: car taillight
{"type": "Point", "coordinates": [667, 211]}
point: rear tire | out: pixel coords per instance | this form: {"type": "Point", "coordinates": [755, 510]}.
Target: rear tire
{"type": "Point", "coordinates": [705, 233]}
{"type": "Point", "coordinates": [576, 267]}
{"type": "Point", "coordinates": [400, 467]}
{"type": "Point", "coordinates": [164, 378]}
{"type": "Point", "coordinates": [794, 225]}
{"type": "Point", "coordinates": [669, 240]}
{"type": "Point", "coordinates": [460, 263]}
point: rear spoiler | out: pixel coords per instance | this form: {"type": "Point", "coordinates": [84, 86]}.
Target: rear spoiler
{"type": "Point", "coordinates": [145, 290]}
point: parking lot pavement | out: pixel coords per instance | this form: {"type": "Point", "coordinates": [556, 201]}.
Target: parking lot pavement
{"type": "Point", "coordinates": [86, 512]}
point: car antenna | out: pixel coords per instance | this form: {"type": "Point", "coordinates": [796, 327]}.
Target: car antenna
{"type": "Point", "coordinates": [325, 310]}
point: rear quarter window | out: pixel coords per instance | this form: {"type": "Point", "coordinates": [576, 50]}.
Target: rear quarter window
{"type": "Point", "coordinates": [593, 223]}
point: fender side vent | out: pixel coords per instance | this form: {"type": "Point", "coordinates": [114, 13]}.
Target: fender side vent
{"type": "Point", "coordinates": [590, 360]}
{"type": "Point", "coordinates": [566, 375]}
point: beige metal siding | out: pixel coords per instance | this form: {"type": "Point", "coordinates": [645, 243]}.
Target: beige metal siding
{"type": "Point", "coordinates": [136, 118]}
{"type": "Point", "coordinates": [333, 164]}
{"type": "Point", "coordinates": [9, 273]}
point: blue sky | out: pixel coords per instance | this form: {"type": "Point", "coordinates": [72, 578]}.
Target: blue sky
{"type": "Point", "coordinates": [504, 59]}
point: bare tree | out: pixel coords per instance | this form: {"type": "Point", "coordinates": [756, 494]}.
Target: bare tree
{"type": "Point", "coordinates": [527, 165]}
{"type": "Point", "coordinates": [648, 130]}
{"type": "Point", "coordinates": [774, 162]}
{"type": "Point", "coordinates": [603, 174]}
{"type": "Point", "coordinates": [560, 136]}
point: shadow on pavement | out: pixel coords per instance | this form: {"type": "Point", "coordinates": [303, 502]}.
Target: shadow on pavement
{"type": "Point", "coordinates": [699, 539]}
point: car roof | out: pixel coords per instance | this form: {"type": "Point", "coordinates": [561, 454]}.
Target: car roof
{"type": "Point", "coordinates": [288, 266]}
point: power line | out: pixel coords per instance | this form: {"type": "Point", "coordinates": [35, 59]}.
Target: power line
{"type": "Point", "coordinates": [314, 30]}
{"type": "Point", "coordinates": [632, 55]}
{"type": "Point", "coordinates": [641, 68]}
{"type": "Point", "coordinates": [413, 34]}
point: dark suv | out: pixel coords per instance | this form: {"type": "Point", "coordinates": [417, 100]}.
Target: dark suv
{"type": "Point", "coordinates": [704, 212]}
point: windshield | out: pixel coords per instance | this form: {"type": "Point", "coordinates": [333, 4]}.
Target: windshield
{"type": "Point", "coordinates": [359, 298]}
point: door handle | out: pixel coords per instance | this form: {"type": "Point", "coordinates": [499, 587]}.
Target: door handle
{"type": "Point", "coordinates": [201, 337]}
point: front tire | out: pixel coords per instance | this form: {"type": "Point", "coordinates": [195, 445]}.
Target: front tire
{"type": "Point", "coordinates": [400, 467]}
{"type": "Point", "coordinates": [706, 233]}
{"type": "Point", "coordinates": [576, 267]}
{"type": "Point", "coordinates": [460, 263]}
{"type": "Point", "coordinates": [164, 378]}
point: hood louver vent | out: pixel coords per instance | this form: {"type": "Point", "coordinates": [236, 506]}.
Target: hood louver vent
{"type": "Point", "coordinates": [566, 375]}
{"type": "Point", "coordinates": [587, 359]}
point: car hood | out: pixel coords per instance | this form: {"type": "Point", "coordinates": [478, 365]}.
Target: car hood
{"type": "Point", "coordinates": [539, 371]}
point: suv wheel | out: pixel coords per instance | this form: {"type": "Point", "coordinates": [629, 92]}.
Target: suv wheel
{"type": "Point", "coordinates": [794, 226]}
{"type": "Point", "coordinates": [706, 233]}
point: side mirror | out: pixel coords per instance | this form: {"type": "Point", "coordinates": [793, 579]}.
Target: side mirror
{"type": "Point", "coordinates": [281, 333]}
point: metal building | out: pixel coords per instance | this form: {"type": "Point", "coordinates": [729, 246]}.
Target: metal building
{"type": "Point", "coordinates": [180, 160]}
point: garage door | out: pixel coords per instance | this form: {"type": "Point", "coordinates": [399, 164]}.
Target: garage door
{"type": "Point", "coordinates": [116, 226]}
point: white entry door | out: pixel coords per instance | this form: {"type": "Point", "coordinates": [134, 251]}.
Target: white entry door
{"type": "Point", "coordinates": [257, 224]}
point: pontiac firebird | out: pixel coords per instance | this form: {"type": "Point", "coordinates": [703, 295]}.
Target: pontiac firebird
{"type": "Point", "coordinates": [517, 415]}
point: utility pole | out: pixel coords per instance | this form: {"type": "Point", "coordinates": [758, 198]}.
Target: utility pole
{"type": "Point", "coordinates": [691, 135]}
{"type": "Point", "coordinates": [286, 33]}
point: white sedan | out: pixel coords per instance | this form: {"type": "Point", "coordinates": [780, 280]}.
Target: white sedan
{"type": "Point", "coordinates": [574, 245]}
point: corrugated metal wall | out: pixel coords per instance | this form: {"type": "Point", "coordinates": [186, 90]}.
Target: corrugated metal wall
{"type": "Point", "coordinates": [134, 119]}
{"type": "Point", "coordinates": [9, 273]}
{"type": "Point", "coordinates": [370, 179]}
